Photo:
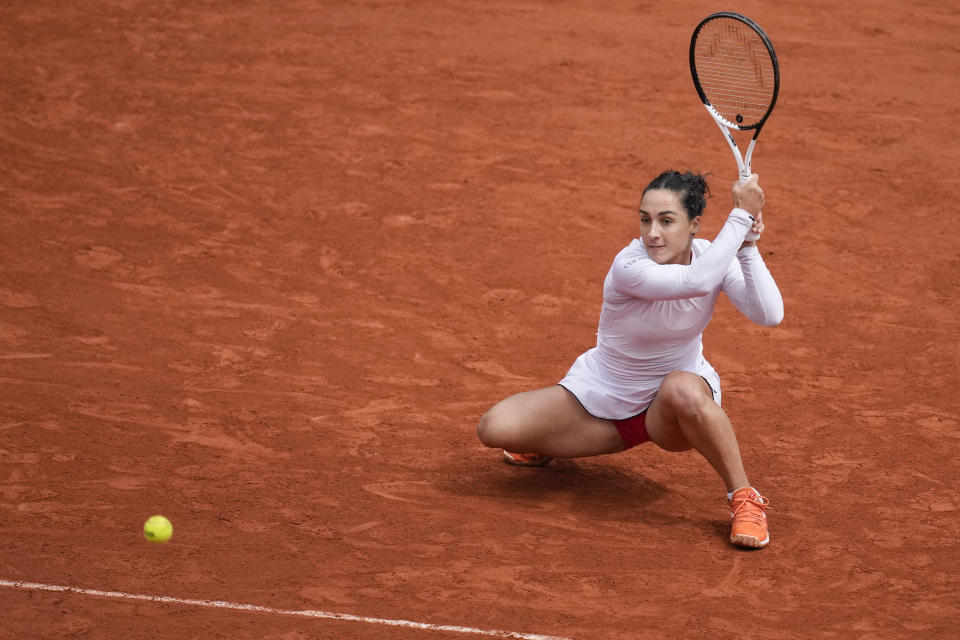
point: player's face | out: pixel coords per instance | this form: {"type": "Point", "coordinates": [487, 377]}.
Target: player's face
{"type": "Point", "coordinates": [665, 229]}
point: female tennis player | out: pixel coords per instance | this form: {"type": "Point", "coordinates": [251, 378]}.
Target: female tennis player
{"type": "Point", "coordinates": [647, 379]}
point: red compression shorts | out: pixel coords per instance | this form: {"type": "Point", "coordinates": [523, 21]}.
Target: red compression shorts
{"type": "Point", "coordinates": [633, 431]}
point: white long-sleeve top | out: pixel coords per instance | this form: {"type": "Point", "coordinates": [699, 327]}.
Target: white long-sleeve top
{"type": "Point", "coordinates": [654, 315]}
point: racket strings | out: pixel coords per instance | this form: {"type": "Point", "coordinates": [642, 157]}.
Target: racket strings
{"type": "Point", "coordinates": [735, 70]}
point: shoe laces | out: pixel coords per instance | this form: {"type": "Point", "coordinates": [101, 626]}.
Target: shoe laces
{"type": "Point", "coordinates": [750, 508]}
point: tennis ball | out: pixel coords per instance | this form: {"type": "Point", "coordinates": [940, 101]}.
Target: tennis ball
{"type": "Point", "coordinates": [157, 529]}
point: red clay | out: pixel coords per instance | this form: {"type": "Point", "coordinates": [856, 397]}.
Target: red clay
{"type": "Point", "coordinates": [264, 265]}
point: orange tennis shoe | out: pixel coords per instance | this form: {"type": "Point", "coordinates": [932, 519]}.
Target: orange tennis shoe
{"type": "Point", "coordinates": [748, 510]}
{"type": "Point", "coordinates": [525, 459]}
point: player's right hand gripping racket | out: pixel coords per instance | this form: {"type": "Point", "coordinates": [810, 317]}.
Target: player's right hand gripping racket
{"type": "Point", "coordinates": [736, 73]}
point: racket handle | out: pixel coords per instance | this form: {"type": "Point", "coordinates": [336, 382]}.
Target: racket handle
{"type": "Point", "coordinates": [744, 177]}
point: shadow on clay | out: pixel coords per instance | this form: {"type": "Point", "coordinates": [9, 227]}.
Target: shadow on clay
{"type": "Point", "coordinates": [588, 489]}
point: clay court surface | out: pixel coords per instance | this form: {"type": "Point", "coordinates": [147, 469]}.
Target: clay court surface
{"type": "Point", "coordinates": [264, 265]}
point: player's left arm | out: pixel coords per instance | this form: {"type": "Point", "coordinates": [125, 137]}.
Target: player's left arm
{"type": "Point", "coordinates": [752, 289]}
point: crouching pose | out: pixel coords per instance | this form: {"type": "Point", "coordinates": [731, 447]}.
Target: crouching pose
{"type": "Point", "coordinates": [647, 379]}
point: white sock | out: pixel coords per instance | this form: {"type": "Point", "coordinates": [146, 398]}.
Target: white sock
{"type": "Point", "coordinates": [730, 493]}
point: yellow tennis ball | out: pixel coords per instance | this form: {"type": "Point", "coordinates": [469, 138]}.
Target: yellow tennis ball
{"type": "Point", "coordinates": [157, 529]}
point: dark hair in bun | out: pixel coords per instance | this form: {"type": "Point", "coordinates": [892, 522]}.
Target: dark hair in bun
{"type": "Point", "coordinates": [692, 188]}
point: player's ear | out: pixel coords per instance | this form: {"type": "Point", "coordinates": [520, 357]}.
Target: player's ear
{"type": "Point", "coordinates": [695, 226]}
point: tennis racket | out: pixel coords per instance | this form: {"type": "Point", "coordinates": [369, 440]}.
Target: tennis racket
{"type": "Point", "coordinates": [735, 71]}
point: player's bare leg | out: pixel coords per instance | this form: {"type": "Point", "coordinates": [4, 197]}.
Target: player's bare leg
{"type": "Point", "coordinates": [550, 422]}
{"type": "Point", "coordinates": [684, 416]}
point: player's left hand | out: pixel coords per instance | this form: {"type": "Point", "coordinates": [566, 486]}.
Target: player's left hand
{"type": "Point", "coordinates": [755, 230]}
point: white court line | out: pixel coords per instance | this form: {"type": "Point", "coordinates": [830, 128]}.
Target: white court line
{"type": "Point", "coordinates": [220, 604]}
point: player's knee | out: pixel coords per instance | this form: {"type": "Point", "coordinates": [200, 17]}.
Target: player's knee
{"type": "Point", "coordinates": [493, 427]}
{"type": "Point", "coordinates": [685, 392]}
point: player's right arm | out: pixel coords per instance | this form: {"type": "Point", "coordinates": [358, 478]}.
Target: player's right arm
{"type": "Point", "coordinates": [640, 277]}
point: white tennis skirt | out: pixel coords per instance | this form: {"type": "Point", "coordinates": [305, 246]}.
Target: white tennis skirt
{"type": "Point", "coordinates": [610, 398]}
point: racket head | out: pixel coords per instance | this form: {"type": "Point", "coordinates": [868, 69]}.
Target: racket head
{"type": "Point", "coordinates": [735, 70]}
